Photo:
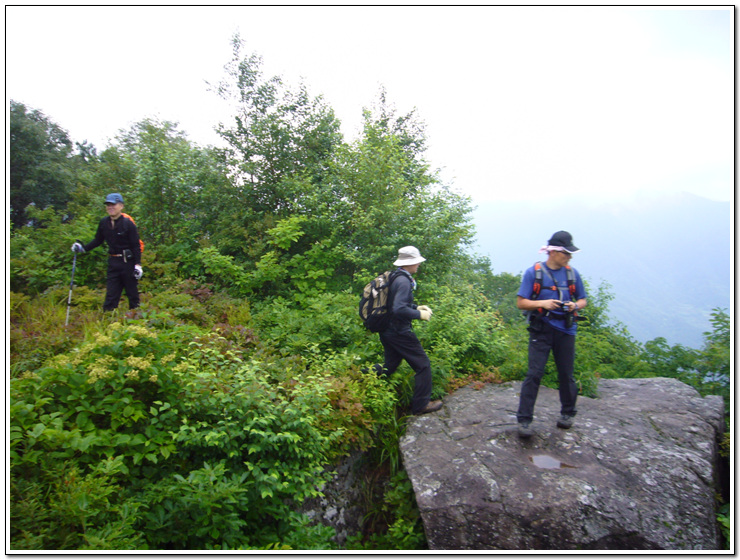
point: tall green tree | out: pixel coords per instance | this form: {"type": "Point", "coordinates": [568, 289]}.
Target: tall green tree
{"type": "Point", "coordinates": [385, 196]}
{"type": "Point", "coordinates": [277, 134]}
{"type": "Point", "coordinates": [168, 181]}
{"type": "Point", "coordinates": [40, 169]}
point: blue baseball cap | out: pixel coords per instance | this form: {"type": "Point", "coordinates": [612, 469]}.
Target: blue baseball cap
{"type": "Point", "coordinates": [114, 198]}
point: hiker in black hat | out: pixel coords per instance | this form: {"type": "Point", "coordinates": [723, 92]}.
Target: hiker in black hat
{"type": "Point", "coordinates": [399, 340]}
{"type": "Point", "coordinates": [124, 253]}
{"type": "Point", "coordinates": [551, 294]}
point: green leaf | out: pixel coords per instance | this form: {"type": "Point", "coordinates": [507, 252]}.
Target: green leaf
{"type": "Point", "coordinates": [38, 429]}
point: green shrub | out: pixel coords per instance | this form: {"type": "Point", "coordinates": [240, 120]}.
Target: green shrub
{"type": "Point", "coordinates": [184, 415]}
{"type": "Point", "coordinates": [326, 324]}
{"type": "Point", "coordinates": [464, 332]}
{"type": "Point", "coordinates": [180, 306]}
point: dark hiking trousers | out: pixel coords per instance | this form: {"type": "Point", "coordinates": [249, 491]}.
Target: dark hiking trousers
{"type": "Point", "coordinates": [404, 345]}
{"type": "Point", "coordinates": [542, 339]}
{"type": "Point", "coordinates": [120, 277]}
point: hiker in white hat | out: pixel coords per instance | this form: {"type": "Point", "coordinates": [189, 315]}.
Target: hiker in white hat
{"type": "Point", "coordinates": [399, 340]}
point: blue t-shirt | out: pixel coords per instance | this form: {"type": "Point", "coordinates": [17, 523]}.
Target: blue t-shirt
{"type": "Point", "coordinates": [560, 277]}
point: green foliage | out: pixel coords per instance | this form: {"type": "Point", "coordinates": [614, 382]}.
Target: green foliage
{"type": "Point", "coordinates": [464, 332]}
{"type": "Point", "coordinates": [323, 324]}
{"type": "Point", "coordinates": [37, 325]}
{"type": "Point", "coordinates": [173, 180]}
{"type": "Point", "coordinates": [724, 518]}
{"type": "Point", "coordinates": [222, 270]}
{"type": "Point", "coordinates": [181, 306]}
{"type": "Point", "coordinates": [66, 509]}
{"type": "Point", "coordinates": [41, 173]}
{"type": "Point", "coordinates": [714, 360]}
{"type": "Point", "coordinates": [277, 134]}
{"type": "Point", "coordinates": [398, 515]}
{"type": "Point", "coordinates": [500, 289]}
{"type": "Point", "coordinates": [182, 427]}
{"type": "Point", "coordinates": [40, 257]}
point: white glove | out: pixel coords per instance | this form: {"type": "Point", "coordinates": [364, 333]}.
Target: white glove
{"type": "Point", "coordinates": [138, 271]}
{"type": "Point", "coordinates": [77, 247]}
{"type": "Point", "coordinates": [426, 313]}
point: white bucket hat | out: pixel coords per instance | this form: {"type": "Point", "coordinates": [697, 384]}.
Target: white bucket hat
{"type": "Point", "coordinates": [408, 256]}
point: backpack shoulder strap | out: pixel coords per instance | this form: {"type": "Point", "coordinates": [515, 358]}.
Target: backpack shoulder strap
{"type": "Point", "coordinates": [395, 274]}
{"type": "Point", "coordinates": [571, 282]}
{"type": "Point", "coordinates": [540, 271]}
{"type": "Point", "coordinates": [537, 285]}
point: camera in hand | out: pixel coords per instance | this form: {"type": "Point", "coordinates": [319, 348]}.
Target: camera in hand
{"type": "Point", "coordinates": [568, 316]}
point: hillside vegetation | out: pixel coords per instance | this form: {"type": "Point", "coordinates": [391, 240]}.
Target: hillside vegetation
{"type": "Point", "coordinates": [205, 418]}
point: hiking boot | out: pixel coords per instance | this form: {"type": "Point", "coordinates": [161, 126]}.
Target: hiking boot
{"type": "Point", "coordinates": [524, 430]}
{"type": "Point", "coordinates": [377, 368]}
{"type": "Point", "coordinates": [565, 421]}
{"type": "Point", "coordinates": [433, 406]}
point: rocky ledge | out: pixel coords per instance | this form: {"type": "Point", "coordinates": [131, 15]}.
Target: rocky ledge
{"type": "Point", "coordinates": [635, 472]}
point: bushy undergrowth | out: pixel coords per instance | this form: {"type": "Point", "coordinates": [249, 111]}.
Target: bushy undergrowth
{"type": "Point", "coordinates": [176, 430]}
{"type": "Point", "coordinates": [204, 420]}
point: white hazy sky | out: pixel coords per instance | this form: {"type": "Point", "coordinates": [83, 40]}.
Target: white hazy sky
{"type": "Point", "coordinates": [551, 102]}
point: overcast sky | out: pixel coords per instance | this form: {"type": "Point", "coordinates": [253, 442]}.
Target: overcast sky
{"type": "Point", "coordinates": [519, 102]}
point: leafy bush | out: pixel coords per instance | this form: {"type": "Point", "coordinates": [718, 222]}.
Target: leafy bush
{"type": "Point", "coordinates": [464, 332]}
{"type": "Point", "coordinates": [182, 416]}
{"type": "Point", "coordinates": [324, 325]}
{"type": "Point", "coordinates": [181, 306]}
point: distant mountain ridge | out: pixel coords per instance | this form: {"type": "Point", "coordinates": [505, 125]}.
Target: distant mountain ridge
{"type": "Point", "coordinates": [667, 259]}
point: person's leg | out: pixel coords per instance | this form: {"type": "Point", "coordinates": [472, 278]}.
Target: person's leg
{"type": "Point", "coordinates": [391, 357]}
{"type": "Point", "coordinates": [563, 351]}
{"type": "Point", "coordinates": [419, 361]}
{"type": "Point", "coordinates": [407, 345]}
{"type": "Point", "coordinates": [113, 285]}
{"type": "Point", "coordinates": [131, 285]}
{"type": "Point", "coordinates": [539, 351]}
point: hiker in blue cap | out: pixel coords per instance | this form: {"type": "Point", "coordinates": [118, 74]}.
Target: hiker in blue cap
{"type": "Point", "coordinates": [551, 294]}
{"type": "Point", "coordinates": [124, 253]}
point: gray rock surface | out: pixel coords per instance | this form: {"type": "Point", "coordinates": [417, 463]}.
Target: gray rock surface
{"type": "Point", "coordinates": [341, 506]}
{"type": "Point", "coordinates": [635, 472]}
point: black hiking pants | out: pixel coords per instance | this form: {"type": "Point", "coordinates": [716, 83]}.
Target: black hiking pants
{"type": "Point", "coordinates": [404, 345]}
{"type": "Point", "coordinates": [542, 339]}
{"type": "Point", "coordinates": [120, 277]}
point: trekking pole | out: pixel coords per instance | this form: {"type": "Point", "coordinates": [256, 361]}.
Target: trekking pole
{"type": "Point", "coordinates": [71, 285]}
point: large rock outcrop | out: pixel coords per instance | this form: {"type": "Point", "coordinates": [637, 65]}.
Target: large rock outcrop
{"type": "Point", "coordinates": [635, 472]}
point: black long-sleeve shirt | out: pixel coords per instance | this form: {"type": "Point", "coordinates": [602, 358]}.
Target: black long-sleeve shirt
{"type": "Point", "coordinates": [121, 234]}
{"type": "Point", "coordinates": [404, 308]}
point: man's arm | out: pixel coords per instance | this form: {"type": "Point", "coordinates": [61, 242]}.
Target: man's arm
{"type": "Point", "coordinates": [403, 308]}
{"type": "Point", "coordinates": [550, 304]}
{"type": "Point", "coordinates": [531, 304]}
{"type": "Point", "coordinates": [98, 240]}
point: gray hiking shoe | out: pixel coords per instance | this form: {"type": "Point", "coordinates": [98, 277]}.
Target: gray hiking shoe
{"type": "Point", "coordinates": [565, 422]}
{"type": "Point", "coordinates": [524, 430]}
{"type": "Point", "coordinates": [433, 406]}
